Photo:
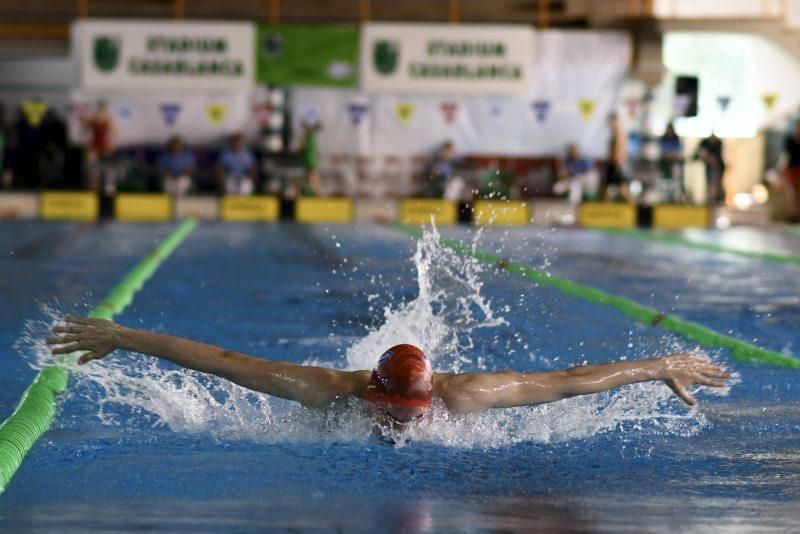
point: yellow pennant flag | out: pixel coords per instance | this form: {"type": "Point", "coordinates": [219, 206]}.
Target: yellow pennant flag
{"type": "Point", "coordinates": [769, 100]}
{"type": "Point", "coordinates": [216, 113]}
{"type": "Point", "coordinates": [404, 111]}
{"type": "Point", "coordinates": [34, 111]}
{"type": "Point", "coordinates": [587, 108]}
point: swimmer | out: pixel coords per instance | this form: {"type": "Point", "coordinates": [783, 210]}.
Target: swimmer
{"type": "Point", "coordinates": [399, 389]}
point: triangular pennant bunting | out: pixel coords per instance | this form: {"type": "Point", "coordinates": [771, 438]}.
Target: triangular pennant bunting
{"type": "Point", "coordinates": [170, 112]}
{"type": "Point", "coordinates": [769, 100]}
{"type": "Point", "coordinates": [357, 112]}
{"type": "Point", "coordinates": [404, 112]}
{"type": "Point", "coordinates": [124, 112]}
{"type": "Point", "coordinates": [586, 108]}
{"type": "Point", "coordinates": [723, 101]}
{"type": "Point", "coordinates": [34, 111]}
{"type": "Point", "coordinates": [541, 108]}
{"type": "Point", "coordinates": [216, 113]}
{"type": "Point", "coordinates": [633, 104]}
{"type": "Point", "coordinates": [449, 110]}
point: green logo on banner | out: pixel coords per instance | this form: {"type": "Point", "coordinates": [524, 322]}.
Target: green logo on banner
{"type": "Point", "coordinates": [385, 54]}
{"type": "Point", "coordinates": [106, 52]}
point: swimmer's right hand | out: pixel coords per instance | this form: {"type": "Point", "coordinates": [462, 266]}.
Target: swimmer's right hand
{"type": "Point", "coordinates": [97, 337]}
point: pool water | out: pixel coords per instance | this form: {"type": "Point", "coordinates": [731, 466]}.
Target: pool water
{"type": "Point", "coordinates": [140, 444]}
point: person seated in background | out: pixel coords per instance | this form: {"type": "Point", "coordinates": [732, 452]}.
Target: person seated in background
{"type": "Point", "coordinates": [576, 175]}
{"type": "Point", "coordinates": [176, 164]}
{"type": "Point", "coordinates": [441, 182]}
{"type": "Point", "coordinates": [710, 152]}
{"type": "Point", "coordinates": [398, 393]}
{"type": "Point", "coordinates": [670, 162]}
{"type": "Point", "coordinates": [238, 167]}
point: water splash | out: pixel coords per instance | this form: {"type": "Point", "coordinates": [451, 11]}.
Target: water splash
{"type": "Point", "coordinates": [133, 391]}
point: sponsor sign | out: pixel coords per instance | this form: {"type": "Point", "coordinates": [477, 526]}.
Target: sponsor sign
{"type": "Point", "coordinates": [323, 210]}
{"type": "Point", "coordinates": [69, 206]}
{"type": "Point", "coordinates": [163, 55]}
{"type": "Point", "coordinates": [607, 215]}
{"type": "Point", "coordinates": [153, 207]}
{"type": "Point", "coordinates": [501, 213]}
{"type": "Point", "coordinates": [441, 58]}
{"type": "Point", "coordinates": [307, 55]}
{"type": "Point", "coordinates": [427, 210]}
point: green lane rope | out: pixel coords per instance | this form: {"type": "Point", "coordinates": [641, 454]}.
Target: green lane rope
{"type": "Point", "coordinates": [677, 240]}
{"type": "Point", "coordinates": [36, 409]}
{"type": "Point", "coordinates": [741, 350]}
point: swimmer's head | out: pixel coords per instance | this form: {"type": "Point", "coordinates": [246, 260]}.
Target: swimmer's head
{"type": "Point", "coordinates": [401, 387]}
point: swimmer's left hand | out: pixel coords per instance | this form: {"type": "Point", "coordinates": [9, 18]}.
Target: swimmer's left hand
{"type": "Point", "coordinates": [680, 371]}
{"type": "Point", "coordinates": [97, 337]}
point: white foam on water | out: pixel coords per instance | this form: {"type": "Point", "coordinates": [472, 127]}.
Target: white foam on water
{"type": "Point", "coordinates": [129, 389]}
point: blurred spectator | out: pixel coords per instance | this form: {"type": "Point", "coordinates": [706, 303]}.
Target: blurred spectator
{"type": "Point", "coordinates": [29, 149]}
{"type": "Point", "coordinates": [617, 158]}
{"type": "Point", "coordinates": [55, 148]}
{"type": "Point", "coordinates": [176, 165]}
{"type": "Point", "coordinates": [238, 167]}
{"type": "Point", "coordinates": [671, 163]}
{"type": "Point", "coordinates": [442, 183]}
{"type": "Point", "coordinates": [710, 152]}
{"type": "Point", "coordinates": [791, 171]}
{"type": "Point", "coordinates": [100, 150]}
{"type": "Point", "coordinates": [576, 175]}
{"type": "Point", "coordinates": [311, 157]}
{"type": "Point", "coordinates": [5, 142]}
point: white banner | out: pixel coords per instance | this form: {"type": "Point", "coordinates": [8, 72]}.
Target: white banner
{"type": "Point", "coordinates": [578, 83]}
{"type": "Point", "coordinates": [447, 59]}
{"type": "Point", "coordinates": [163, 55]}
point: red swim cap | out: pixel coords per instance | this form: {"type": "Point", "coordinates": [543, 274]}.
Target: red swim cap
{"type": "Point", "coordinates": [403, 376]}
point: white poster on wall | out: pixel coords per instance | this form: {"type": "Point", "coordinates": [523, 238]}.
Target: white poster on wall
{"type": "Point", "coordinates": [447, 59]}
{"type": "Point", "coordinates": [163, 55]}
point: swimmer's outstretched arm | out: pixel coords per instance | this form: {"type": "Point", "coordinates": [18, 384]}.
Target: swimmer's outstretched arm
{"type": "Point", "coordinates": [309, 385]}
{"type": "Point", "coordinates": [473, 392]}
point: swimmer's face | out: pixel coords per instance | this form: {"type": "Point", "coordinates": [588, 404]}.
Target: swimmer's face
{"type": "Point", "coordinates": [393, 417]}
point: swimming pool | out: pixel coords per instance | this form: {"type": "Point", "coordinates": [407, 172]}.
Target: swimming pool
{"type": "Point", "coordinates": [143, 445]}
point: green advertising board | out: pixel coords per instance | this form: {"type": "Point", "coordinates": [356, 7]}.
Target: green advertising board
{"type": "Point", "coordinates": [307, 55]}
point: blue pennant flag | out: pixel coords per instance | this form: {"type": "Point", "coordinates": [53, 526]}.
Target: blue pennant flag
{"type": "Point", "coordinates": [357, 112]}
{"type": "Point", "coordinates": [541, 108]}
{"type": "Point", "coordinates": [170, 113]}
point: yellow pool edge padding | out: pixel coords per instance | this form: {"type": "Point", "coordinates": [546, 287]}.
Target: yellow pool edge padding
{"type": "Point", "coordinates": [69, 206]}
{"type": "Point", "coordinates": [36, 409]}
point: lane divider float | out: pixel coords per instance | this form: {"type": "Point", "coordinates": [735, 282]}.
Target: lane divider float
{"type": "Point", "coordinates": [36, 409]}
{"type": "Point", "coordinates": [677, 240]}
{"type": "Point", "coordinates": [740, 350]}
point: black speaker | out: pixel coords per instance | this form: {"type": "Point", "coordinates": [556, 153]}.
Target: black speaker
{"type": "Point", "coordinates": [686, 89]}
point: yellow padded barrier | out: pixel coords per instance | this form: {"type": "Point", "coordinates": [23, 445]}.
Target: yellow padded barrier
{"type": "Point", "coordinates": [258, 208]}
{"type": "Point", "coordinates": [69, 206]}
{"type": "Point", "coordinates": [323, 210]}
{"type": "Point", "coordinates": [677, 216]}
{"type": "Point", "coordinates": [501, 213]}
{"type": "Point", "coordinates": [607, 215]}
{"type": "Point", "coordinates": [155, 207]}
{"type": "Point", "coordinates": [420, 210]}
